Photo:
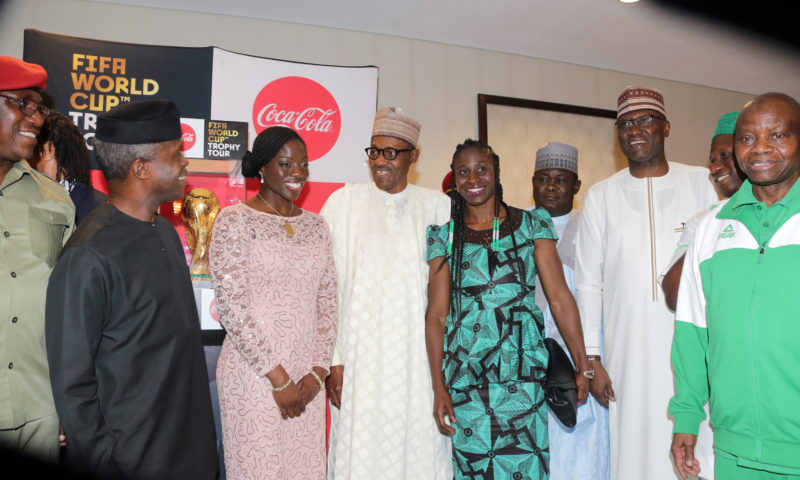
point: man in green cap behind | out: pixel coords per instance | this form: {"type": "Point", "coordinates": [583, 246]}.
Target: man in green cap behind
{"type": "Point", "coordinates": [728, 177]}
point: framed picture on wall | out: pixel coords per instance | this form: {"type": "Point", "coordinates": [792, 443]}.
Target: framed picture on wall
{"type": "Point", "coordinates": [516, 128]}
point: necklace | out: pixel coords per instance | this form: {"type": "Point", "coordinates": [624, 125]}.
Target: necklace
{"type": "Point", "coordinates": [287, 227]}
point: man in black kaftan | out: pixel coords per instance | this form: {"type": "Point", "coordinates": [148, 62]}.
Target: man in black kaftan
{"type": "Point", "coordinates": [123, 337]}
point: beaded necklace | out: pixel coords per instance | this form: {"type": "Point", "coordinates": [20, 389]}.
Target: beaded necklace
{"type": "Point", "coordinates": [495, 236]}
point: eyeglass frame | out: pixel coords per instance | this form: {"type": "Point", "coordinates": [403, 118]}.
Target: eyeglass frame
{"type": "Point", "coordinates": [382, 151]}
{"type": "Point", "coordinates": [620, 124]}
{"type": "Point", "coordinates": [23, 103]}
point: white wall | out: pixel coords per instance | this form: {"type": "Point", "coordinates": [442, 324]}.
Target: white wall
{"type": "Point", "coordinates": [435, 83]}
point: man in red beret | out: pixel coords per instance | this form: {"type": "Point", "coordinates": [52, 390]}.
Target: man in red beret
{"type": "Point", "coordinates": [36, 218]}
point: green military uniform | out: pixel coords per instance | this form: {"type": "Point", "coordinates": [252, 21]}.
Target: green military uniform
{"type": "Point", "coordinates": [36, 219]}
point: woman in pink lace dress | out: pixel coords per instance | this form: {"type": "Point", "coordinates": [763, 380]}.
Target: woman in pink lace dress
{"type": "Point", "coordinates": [275, 284]}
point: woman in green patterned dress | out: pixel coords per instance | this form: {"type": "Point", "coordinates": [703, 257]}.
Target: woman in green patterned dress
{"type": "Point", "coordinates": [485, 334]}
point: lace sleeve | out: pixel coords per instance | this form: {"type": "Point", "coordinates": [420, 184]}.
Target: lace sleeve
{"type": "Point", "coordinates": [327, 316]}
{"type": "Point", "coordinates": [227, 263]}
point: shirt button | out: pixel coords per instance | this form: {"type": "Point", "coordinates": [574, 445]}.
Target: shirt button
{"type": "Point", "coordinates": [13, 274]}
{"type": "Point", "coordinates": [14, 320]}
{"type": "Point", "coordinates": [6, 234]}
{"type": "Point", "coordinates": [766, 224]}
{"type": "Point", "coordinates": [11, 365]}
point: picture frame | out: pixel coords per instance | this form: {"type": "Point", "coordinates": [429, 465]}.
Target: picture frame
{"type": "Point", "coordinates": [516, 128]}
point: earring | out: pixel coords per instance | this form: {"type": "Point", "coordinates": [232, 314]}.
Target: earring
{"type": "Point", "coordinates": [262, 177]}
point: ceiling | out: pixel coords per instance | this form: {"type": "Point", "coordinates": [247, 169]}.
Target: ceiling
{"type": "Point", "coordinates": [643, 38]}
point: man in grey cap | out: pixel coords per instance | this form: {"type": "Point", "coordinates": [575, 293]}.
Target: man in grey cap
{"type": "Point", "coordinates": [123, 337]}
{"type": "Point", "coordinates": [380, 387]}
{"type": "Point", "coordinates": [36, 218]}
{"type": "Point", "coordinates": [581, 451]}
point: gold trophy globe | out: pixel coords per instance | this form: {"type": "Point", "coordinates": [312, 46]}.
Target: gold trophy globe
{"type": "Point", "coordinates": [200, 209]}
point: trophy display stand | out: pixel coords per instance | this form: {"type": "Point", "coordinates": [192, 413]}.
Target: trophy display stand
{"type": "Point", "coordinates": [208, 191]}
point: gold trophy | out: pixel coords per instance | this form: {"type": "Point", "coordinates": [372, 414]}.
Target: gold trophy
{"type": "Point", "coordinates": [200, 209]}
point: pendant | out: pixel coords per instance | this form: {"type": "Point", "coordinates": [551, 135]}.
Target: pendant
{"type": "Point", "coordinates": [287, 227]}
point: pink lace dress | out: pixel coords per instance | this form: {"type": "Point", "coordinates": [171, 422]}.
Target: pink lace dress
{"type": "Point", "coordinates": [276, 297]}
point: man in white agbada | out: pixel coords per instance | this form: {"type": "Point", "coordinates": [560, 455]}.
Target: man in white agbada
{"type": "Point", "coordinates": [382, 425]}
{"type": "Point", "coordinates": [580, 452]}
{"type": "Point", "coordinates": [630, 225]}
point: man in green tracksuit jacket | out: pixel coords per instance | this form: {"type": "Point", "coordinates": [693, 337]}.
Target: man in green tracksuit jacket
{"type": "Point", "coordinates": [738, 318]}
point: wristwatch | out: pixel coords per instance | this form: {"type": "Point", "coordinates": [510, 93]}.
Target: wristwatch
{"type": "Point", "coordinates": [589, 374]}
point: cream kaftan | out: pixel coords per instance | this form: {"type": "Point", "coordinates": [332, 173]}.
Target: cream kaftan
{"type": "Point", "coordinates": [385, 428]}
{"type": "Point", "coordinates": [628, 231]}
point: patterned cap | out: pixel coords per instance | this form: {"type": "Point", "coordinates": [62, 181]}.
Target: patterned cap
{"type": "Point", "coordinates": [640, 98]}
{"type": "Point", "coordinates": [726, 124]}
{"type": "Point", "coordinates": [557, 155]}
{"type": "Point", "coordinates": [18, 75]}
{"type": "Point", "coordinates": [390, 122]}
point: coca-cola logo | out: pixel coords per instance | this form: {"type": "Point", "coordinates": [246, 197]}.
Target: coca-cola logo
{"type": "Point", "coordinates": [212, 309]}
{"type": "Point", "coordinates": [303, 105]}
{"type": "Point", "coordinates": [188, 136]}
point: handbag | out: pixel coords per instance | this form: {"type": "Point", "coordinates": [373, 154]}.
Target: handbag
{"type": "Point", "coordinates": [560, 389]}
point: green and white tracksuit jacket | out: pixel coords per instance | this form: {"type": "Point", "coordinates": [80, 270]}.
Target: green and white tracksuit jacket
{"type": "Point", "coordinates": [737, 330]}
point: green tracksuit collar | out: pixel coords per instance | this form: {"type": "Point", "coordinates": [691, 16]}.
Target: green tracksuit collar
{"type": "Point", "coordinates": [745, 197]}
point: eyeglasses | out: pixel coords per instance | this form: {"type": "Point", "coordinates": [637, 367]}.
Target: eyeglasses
{"type": "Point", "coordinates": [643, 121]}
{"type": "Point", "coordinates": [28, 106]}
{"type": "Point", "coordinates": [388, 153]}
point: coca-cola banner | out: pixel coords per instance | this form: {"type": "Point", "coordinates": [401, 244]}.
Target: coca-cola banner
{"type": "Point", "coordinates": [217, 91]}
{"type": "Point", "coordinates": [332, 108]}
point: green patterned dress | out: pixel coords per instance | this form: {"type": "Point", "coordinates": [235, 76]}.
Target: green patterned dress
{"type": "Point", "coordinates": [494, 356]}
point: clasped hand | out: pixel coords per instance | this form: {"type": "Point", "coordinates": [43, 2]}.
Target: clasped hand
{"type": "Point", "coordinates": [293, 399]}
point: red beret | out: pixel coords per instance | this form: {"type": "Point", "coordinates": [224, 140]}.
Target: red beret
{"type": "Point", "coordinates": [447, 182]}
{"type": "Point", "coordinates": [18, 75]}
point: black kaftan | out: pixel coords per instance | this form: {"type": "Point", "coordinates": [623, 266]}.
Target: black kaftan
{"type": "Point", "coordinates": [126, 361]}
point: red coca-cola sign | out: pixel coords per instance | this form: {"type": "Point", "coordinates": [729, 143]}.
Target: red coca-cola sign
{"type": "Point", "coordinates": [188, 136]}
{"type": "Point", "coordinates": [303, 105]}
{"type": "Point", "coordinates": [212, 309]}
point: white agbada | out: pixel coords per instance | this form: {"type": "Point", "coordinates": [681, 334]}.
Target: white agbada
{"type": "Point", "coordinates": [385, 428]}
{"type": "Point", "coordinates": [628, 231]}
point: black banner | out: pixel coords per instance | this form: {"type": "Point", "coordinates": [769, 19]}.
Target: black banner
{"type": "Point", "coordinates": [87, 77]}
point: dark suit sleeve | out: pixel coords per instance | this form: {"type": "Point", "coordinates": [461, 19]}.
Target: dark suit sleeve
{"type": "Point", "coordinates": [74, 318]}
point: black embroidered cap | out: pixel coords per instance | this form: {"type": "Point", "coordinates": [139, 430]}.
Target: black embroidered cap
{"type": "Point", "coordinates": [146, 121]}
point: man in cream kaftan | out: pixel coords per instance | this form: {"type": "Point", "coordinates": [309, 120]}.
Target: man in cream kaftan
{"type": "Point", "coordinates": [630, 225]}
{"type": "Point", "coordinates": [384, 428]}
